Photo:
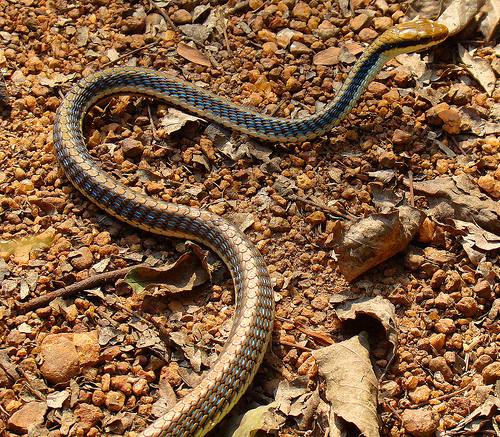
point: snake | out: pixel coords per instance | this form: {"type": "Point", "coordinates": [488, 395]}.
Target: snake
{"type": "Point", "coordinates": [223, 384]}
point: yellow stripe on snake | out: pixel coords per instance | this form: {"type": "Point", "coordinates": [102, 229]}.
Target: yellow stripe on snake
{"type": "Point", "coordinates": [223, 385]}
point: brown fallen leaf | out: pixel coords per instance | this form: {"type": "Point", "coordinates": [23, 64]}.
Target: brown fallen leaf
{"type": "Point", "coordinates": [329, 56]}
{"type": "Point", "coordinates": [377, 308]}
{"type": "Point", "coordinates": [458, 197]}
{"type": "Point", "coordinates": [482, 416]}
{"type": "Point", "coordinates": [24, 249]}
{"type": "Point", "coordinates": [479, 68]}
{"type": "Point", "coordinates": [372, 240]}
{"type": "Point", "coordinates": [189, 271]}
{"type": "Point", "coordinates": [175, 121]}
{"type": "Point", "coordinates": [351, 384]}
{"type": "Point", "coordinates": [459, 14]}
{"type": "Point", "coordinates": [193, 55]}
{"type": "Point", "coordinates": [489, 25]}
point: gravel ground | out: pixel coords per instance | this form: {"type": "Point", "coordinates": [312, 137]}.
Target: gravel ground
{"type": "Point", "coordinates": [94, 363]}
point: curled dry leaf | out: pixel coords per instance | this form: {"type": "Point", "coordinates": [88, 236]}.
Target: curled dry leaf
{"type": "Point", "coordinates": [459, 197]}
{"type": "Point", "coordinates": [479, 68]}
{"type": "Point", "coordinates": [176, 120]}
{"type": "Point", "coordinates": [293, 399]}
{"type": "Point", "coordinates": [459, 14]}
{"type": "Point", "coordinates": [189, 271]}
{"type": "Point", "coordinates": [478, 419]}
{"type": "Point", "coordinates": [489, 25]}
{"type": "Point", "coordinates": [376, 307]}
{"type": "Point", "coordinates": [193, 55]}
{"type": "Point", "coordinates": [374, 239]}
{"type": "Point", "coordinates": [351, 385]}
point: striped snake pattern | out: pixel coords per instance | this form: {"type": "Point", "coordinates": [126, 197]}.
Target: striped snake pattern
{"type": "Point", "coordinates": [200, 410]}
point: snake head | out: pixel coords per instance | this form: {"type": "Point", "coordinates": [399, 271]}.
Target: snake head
{"type": "Point", "coordinates": [413, 36]}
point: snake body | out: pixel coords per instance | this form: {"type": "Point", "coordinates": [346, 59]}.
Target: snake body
{"type": "Point", "coordinates": [200, 410]}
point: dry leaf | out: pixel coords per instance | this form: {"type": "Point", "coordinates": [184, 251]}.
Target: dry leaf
{"type": "Point", "coordinates": [376, 307]}
{"type": "Point", "coordinates": [425, 9]}
{"type": "Point", "coordinates": [459, 197]}
{"type": "Point", "coordinates": [479, 68]}
{"type": "Point", "coordinates": [262, 418]}
{"type": "Point", "coordinates": [459, 14]}
{"type": "Point", "coordinates": [24, 249]}
{"type": "Point", "coordinates": [351, 383]}
{"type": "Point", "coordinates": [329, 56]}
{"type": "Point", "coordinates": [193, 55]}
{"type": "Point", "coordinates": [57, 399]}
{"type": "Point", "coordinates": [187, 272]}
{"type": "Point", "coordinates": [372, 240]}
{"type": "Point", "coordinates": [175, 121]}
{"type": "Point", "coordinates": [491, 19]}
{"type": "Point", "coordinates": [475, 421]}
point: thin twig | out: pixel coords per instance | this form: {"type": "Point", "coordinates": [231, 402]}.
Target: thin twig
{"type": "Point", "coordinates": [70, 290]}
{"type": "Point", "coordinates": [442, 398]}
{"type": "Point", "coordinates": [412, 196]}
{"type": "Point", "coordinates": [164, 15]}
{"type": "Point", "coordinates": [107, 64]}
{"type": "Point", "coordinates": [330, 209]}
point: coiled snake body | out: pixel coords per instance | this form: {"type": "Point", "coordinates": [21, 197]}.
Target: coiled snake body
{"type": "Point", "coordinates": [201, 409]}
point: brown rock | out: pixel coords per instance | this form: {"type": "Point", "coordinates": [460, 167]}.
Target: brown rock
{"type": "Point", "coordinates": [387, 159]}
{"type": "Point", "coordinates": [297, 48]}
{"type": "Point", "coordinates": [382, 23]}
{"type": "Point", "coordinates": [453, 282]}
{"type": "Point", "coordinates": [420, 423]}
{"type": "Point", "coordinates": [378, 89]}
{"type": "Point", "coordinates": [140, 387]}
{"type": "Point", "coordinates": [445, 326]}
{"type": "Point", "coordinates": [293, 85]}
{"type": "Point", "coordinates": [451, 120]}
{"type": "Point", "coordinates": [439, 364]}
{"type": "Point", "coordinates": [437, 278]}
{"type": "Point", "coordinates": [132, 148]}
{"type": "Point", "coordinates": [432, 114]}
{"type": "Point", "coordinates": [413, 260]}
{"type": "Point", "coordinates": [483, 289]}
{"type": "Point", "coordinates": [207, 147]}
{"type": "Point", "coordinates": [121, 383]}
{"type": "Point", "coordinates": [60, 359]}
{"type": "Point", "coordinates": [84, 260]}
{"type": "Point", "coordinates": [302, 11]}
{"type": "Point", "coordinates": [462, 94]}
{"type": "Point", "coordinates": [171, 374]}
{"type": "Point", "coordinates": [468, 306]}
{"type": "Point", "coordinates": [181, 16]}
{"type": "Point", "coordinates": [87, 347]}
{"type": "Point", "coordinates": [359, 22]}
{"type": "Point", "coordinates": [402, 138]}
{"type": "Point", "coordinates": [437, 341]}
{"type": "Point", "coordinates": [316, 218]}
{"type": "Point", "coordinates": [154, 187]}
{"type": "Point", "coordinates": [102, 238]}
{"type": "Point", "coordinates": [483, 361]}
{"type": "Point", "coordinates": [420, 394]}
{"type": "Point", "coordinates": [88, 416]}
{"type": "Point", "coordinates": [279, 224]}
{"type": "Point", "coordinates": [29, 416]}
{"type": "Point", "coordinates": [491, 373]}
{"type": "Point", "coordinates": [443, 300]}
{"type": "Point", "coordinates": [115, 400]}
{"type": "Point", "coordinates": [367, 34]}
{"type": "Point", "coordinates": [490, 185]}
